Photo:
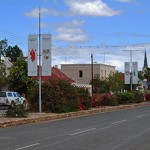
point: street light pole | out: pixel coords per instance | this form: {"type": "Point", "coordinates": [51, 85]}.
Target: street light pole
{"type": "Point", "coordinates": [40, 68]}
{"type": "Point", "coordinates": [92, 73]}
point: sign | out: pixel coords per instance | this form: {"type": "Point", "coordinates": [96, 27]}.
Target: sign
{"type": "Point", "coordinates": [32, 55]}
{"type": "Point", "coordinates": [127, 73]}
{"type": "Point", "coordinates": [46, 54]}
{"type": "Point", "coordinates": [135, 72]}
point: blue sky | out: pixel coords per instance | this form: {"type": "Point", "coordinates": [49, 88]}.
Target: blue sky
{"type": "Point", "coordinates": [80, 27]}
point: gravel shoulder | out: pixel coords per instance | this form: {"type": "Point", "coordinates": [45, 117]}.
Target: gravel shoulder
{"type": "Point", "coordinates": [41, 117]}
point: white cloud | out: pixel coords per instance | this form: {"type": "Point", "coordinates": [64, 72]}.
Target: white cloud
{"type": "Point", "coordinates": [90, 8]}
{"type": "Point", "coordinates": [43, 11]}
{"type": "Point", "coordinates": [125, 1]}
{"type": "Point", "coordinates": [71, 32]}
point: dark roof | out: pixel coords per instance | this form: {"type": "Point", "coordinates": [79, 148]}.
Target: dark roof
{"type": "Point", "coordinates": [145, 61]}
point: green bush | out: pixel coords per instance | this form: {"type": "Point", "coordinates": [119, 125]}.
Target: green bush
{"type": "Point", "coordinates": [16, 111]}
{"type": "Point", "coordinates": [138, 97]}
{"type": "Point", "coordinates": [58, 96]}
{"type": "Point", "coordinates": [84, 99]}
{"type": "Point", "coordinates": [125, 97]}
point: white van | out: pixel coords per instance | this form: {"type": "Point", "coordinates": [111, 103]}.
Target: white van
{"type": "Point", "coordinates": [8, 98]}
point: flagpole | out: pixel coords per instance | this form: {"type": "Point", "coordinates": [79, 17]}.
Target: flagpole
{"type": "Point", "coordinates": [40, 68]}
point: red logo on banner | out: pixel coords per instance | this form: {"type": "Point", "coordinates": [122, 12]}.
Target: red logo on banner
{"type": "Point", "coordinates": [32, 55]}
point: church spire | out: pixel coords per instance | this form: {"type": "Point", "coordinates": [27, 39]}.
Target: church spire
{"type": "Point", "coordinates": [145, 61]}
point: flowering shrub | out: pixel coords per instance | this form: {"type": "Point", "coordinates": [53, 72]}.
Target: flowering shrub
{"type": "Point", "coordinates": [84, 99]}
{"type": "Point", "coordinates": [106, 99]}
{"type": "Point", "coordinates": [110, 100]}
{"type": "Point", "coordinates": [147, 96]}
{"type": "Point", "coordinates": [60, 96]}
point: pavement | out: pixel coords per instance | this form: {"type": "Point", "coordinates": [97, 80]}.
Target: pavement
{"type": "Point", "coordinates": [41, 117]}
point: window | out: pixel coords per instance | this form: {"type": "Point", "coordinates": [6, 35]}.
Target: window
{"type": "Point", "coordinates": [9, 94]}
{"type": "Point", "coordinates": [80, 73]}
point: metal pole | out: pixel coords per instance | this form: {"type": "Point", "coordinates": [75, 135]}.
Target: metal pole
{"type": "Point", "coordinates": [40, 68]}
{"type": "Point", "coordinates": [131, 67]}
{"type": "Point", "coordinates": [92, 73]}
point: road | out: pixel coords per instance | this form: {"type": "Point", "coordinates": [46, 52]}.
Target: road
{"type": "Point", "coordinates": [120, 130]}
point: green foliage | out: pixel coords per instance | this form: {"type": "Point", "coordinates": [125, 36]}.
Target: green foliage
{"type": "Point", "coordinates": [58, 96]}
{"type": "Point", "coordinates": [84, 99]}
{"type": "Point", "coordinates": [125, 97]}
{"type": "Point", "coordinates": [16, 111]}
{"type": "Point", "coordinates": [147, 75]}
{"type": "Point", "coordinates": [3, 46]}
{"type": "Point", "coordinates": [100, 85]}
{"type": "Point", "coordinates": [3, 78]}
{"type": "Point", "coordinates": [138, 97]}
{"type": "Point", "coordinates": [18, 79]}
{"type": "Point", "coordinates": [116, 82]}
{"type": "Point", "coordinates": [13, 52]}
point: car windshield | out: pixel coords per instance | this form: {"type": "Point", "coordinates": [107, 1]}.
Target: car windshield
{"type": "Point", "coordinates": [17, 94]}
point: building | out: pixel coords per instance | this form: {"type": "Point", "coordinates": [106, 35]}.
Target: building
{"type": "Point", "coordinates": [145, 61]}
{"type": "Point", "coordinates": [82, 73]}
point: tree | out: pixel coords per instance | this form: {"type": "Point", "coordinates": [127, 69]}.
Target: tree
{"type": "Point", "coordinates": [116, 82]}
{"type": "Point", "coordinates": [147, 76]}
{"type": "Point", "coordinates": [3, 46]}
{"type": "Point", "coordinates": [18, 79]}
{"type": "Point", "coordinates": [3, 78]}
{"type": "Point", "coordinates": [13, 52]}
{"type": "Point", "coordinates": [100, 85]}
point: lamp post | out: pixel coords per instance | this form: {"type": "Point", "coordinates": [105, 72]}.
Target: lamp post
{"type": "Point", "coordinates": [92, 73]}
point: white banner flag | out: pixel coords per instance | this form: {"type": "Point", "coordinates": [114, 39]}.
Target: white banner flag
{"type": "Point", "coordinates": [135, 72]}
{"type": "Point", "coordinates": [46, 54]}
{"type": "Point", "coordinates": [127, 73]}
{"type": "Point", "coordinates": [32, 55]}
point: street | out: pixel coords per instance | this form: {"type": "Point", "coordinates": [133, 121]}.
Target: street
{"type": "Point", "coordinates": [119, 130]}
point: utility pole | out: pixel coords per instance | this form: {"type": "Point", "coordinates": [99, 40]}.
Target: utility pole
{"type": "Point", "coordinates": [92, 73]}
{"type": "Point", "coordinates": [40, 68]}
{"type": "Point", "coordinates": [131, 71]}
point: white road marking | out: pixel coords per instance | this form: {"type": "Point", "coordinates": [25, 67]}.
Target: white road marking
{"type": "Point", "coordinates": [141, 115]}
{"type": "Point", "coordinates": [83, 131]}
{"type": "Point", "coordinates": [27, 146]}
{"type": "Point", "coordinates": [117, 122]}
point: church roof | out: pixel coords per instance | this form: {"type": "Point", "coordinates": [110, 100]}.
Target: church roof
{"type": "Point", "coordinates": [145, 61]}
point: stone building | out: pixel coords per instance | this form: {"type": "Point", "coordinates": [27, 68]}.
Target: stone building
{"type": "Point", "coordinates": [82, 73]}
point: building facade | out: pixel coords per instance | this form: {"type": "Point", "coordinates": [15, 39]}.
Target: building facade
{"type": "Point", "coordinates": [82, 73]}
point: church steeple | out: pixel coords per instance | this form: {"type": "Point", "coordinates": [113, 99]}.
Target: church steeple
{"type": "Point", "coordinates": [145, 61]}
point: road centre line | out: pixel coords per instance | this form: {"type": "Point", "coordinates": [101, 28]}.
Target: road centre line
{"type": "Point", "coordinates": [141, 115]}
{"type": "Point", "coordinates": [117, 122]}
{"type": "Point", "coordinates": [83, 131]}
{"type": "Point", "coordinates": [27, 146]}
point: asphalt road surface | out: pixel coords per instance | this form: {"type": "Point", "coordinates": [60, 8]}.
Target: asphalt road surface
{"type": "Point", "coordinates": [120, 130]}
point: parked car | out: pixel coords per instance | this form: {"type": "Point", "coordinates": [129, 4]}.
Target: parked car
{"type": "Point", "coordinates": [9, 98]}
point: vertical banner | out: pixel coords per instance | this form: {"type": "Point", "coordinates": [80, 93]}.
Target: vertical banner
{"type": "Point", "coordinates": [135, 72]}
{"type": "Point", "coordinates": [46, 54]}
{"type": "Point", "coordinates": [32, 55]}
{"type": "Point", "coordinates": [127, 73]}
